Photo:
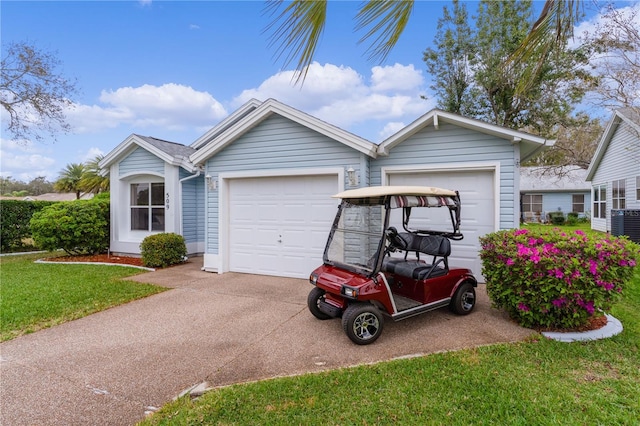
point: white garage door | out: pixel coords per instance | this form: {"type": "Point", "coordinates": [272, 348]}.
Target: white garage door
{"type": "Point", "coordinates": [279, 225]}
{"type": "Point", "coordinates": [477, 215]}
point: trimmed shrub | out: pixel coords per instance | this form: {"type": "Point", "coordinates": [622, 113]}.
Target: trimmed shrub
{"type": "Point", "coordinates": [161, 250]}
{"type": "Point", "coordinates": [554, 279]}
{"type": "Point", "coordinates": [77, 227]}
{"type": "Point", "coordinates": [572, 218]}
{"type": "Point", "coordinates": [556, 218]}
{"type": "Point", "coordinates": [15, 216]}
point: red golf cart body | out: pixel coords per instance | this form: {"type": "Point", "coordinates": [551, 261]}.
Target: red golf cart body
{"type": "Point", "coordinates": [370, 269]}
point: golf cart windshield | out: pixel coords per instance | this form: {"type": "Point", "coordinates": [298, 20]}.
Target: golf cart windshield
{"type": "Point", "coordinates": [357, 239]}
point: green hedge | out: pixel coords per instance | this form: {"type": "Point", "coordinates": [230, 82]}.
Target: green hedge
{"type": "Point", "coordinates": [15, 216]}
{"type": "Point", "coordinates": [161, 250]}
{"type": "Point", "coordinates": [77, 227]}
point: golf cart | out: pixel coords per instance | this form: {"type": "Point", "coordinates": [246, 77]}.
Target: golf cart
{"type": "Point", "coordinates": [370, 269]}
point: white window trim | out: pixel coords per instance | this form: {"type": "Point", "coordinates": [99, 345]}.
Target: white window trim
{"type": "Point", "coordinates": [621, 185]}
{"type": "Point", "coordinates": [531, 203]}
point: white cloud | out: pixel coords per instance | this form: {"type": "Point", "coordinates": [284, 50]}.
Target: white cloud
{"type": "Point", "coordinates": [194, 26]}
{"type": "Point", "coordinates": [170, 106]}
{"type": "Point", "coordinates": [23, 161]}
{"type": "Point", "coordinates": [341, 96]}
{"type": "Point", "coordinates": [90, 154]}
{"type": "Point", "coordinates": [398, 78]}
{"type": "Point", "coordinates": [391, 128]}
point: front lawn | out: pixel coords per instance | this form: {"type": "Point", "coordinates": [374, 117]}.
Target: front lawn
{"type": "Point", "coordinates": [35, 295]}
{"type": "Point", "coordinates": [539, 381]}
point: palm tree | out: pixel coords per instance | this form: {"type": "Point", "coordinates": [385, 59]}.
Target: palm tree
{"type": "Point", "coordinates": [91, 180]}
{"type": "Point", "coordinates": [69, 179]}
{"type": "Point", "coordinates": [297, 29]}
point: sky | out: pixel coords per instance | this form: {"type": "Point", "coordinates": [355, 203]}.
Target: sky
{"type": "Point", "coordinates": [174, 69]}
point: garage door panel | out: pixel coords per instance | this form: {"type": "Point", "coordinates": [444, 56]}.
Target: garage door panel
{"type": "Point", "coordinates": [289, 217]}
{"type": "Point", "coordinates": [477, 213]}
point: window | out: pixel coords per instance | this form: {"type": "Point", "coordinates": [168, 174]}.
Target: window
{"type": "Point", "coordinates": [600, 201]}
{"type": "Point", "coordinates": [638, 188]}
{"type": "Point", "coordinates": [532, 203]}
{"type": "Point", "coordinates": [577, 203]}
{"type": "Point", "coordinates": [618, 194]}
{"type": "Point", "coordinates": [147, 206]}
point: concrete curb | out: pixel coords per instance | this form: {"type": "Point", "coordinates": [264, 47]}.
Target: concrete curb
{"type": "Point", "coordinates": [613, 327]}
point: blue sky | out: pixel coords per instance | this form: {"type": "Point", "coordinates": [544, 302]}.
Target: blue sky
{"type": "Point", "coordinates": [172, 70]}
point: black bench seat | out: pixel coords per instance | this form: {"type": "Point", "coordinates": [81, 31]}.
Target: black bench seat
{"type": "Point", "coordinates": [433, 245]}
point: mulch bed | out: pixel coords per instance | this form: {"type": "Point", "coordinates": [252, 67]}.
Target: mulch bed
{"type": "Point", "coordinates": [102, 258]}
{"type": "Point", "coordinates": [594, 323]}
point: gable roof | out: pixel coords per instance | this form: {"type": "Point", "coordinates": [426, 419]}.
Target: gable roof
{"type": "Point", "coordinates": [539, 179]}
{"type": "Point", "coordinates": [222, 126]}
{"type": "Point", "coordinates": [529, 144]}
{"type": "Point", "coordinates": [629, 116]}
{"type": "Point", "coordinates": [266, 109]}
{"type": "Point", "coordinates": [170, 152]}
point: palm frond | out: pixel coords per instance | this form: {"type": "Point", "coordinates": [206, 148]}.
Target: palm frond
{"type": "Point", "coordinates": [553, 28]}
{"type": "Point", "coordinates": [296, 31]}
{"type": "Point", "coordinates": [386, 20]}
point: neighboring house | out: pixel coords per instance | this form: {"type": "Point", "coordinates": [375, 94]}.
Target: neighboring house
{"type": "Point", "coordinates": [614, 172]}
{"type": "Point", "coordinates": [543, 192]}
{"type": "Point", "coordinates": [253, 194]}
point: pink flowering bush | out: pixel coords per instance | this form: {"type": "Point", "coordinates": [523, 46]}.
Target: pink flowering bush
{"type": "Point", "coordinates": [555, 279]}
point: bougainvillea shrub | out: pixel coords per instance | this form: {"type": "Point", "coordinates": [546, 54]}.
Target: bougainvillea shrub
{"type": "Point", "coordinates": [551, 278]}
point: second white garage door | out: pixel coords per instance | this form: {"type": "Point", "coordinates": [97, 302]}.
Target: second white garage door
{"type": "Point", "coordinates": [279, 225]}
{"type": "Point", "coordinates": [478, 210]}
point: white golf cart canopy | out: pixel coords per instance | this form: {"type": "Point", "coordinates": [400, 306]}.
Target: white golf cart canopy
{"type": "Point", "coordinates": [382, 191]}
{"type": "Point", "coordinates": [402, 196]}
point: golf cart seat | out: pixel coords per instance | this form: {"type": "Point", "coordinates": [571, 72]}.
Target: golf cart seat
{"type": "Point", "coordinates": [433, 245]}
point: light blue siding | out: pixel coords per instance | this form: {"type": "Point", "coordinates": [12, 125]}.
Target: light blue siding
{"type": "Point", "coordinates": [451, 144]}
{"type": "Point", "coordinates": [563, 201]}
{"type": "Point", "coordinates": [192, 208]}
{"type": "Point", "coordinates": [276, 143]}
{"type": "Point", "coordinates": [140, 161]}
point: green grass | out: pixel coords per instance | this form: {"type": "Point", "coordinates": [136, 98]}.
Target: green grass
{"type": "Point", "coordinates": [538, 381]}
{"type": "Point", "coordinates": [35, 296]}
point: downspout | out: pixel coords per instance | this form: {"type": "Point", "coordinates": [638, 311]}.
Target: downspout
{"type": "Point", "coordinates": [180, 195]}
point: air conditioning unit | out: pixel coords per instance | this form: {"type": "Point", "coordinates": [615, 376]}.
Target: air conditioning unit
{"type": "Point", "coordinates": [626, 222]}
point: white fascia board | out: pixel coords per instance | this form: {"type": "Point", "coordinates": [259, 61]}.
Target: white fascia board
{"type": "Point", "coordinates": [127, 146]}
{"type": "Point", "coordinates": [437, 116]}
{"type": "Point", "coordinates": [320, 126]}
{"type": "Point", "coordinates": [219, 128]}
{"type": "Point", "coordinates": [406, 132]}
{"type": "Point", "coordinates": [118, 151]}
{"type": "Point", "coordinates": [607, 135]}
{"type": "Point", "coordinates": [271, 106]}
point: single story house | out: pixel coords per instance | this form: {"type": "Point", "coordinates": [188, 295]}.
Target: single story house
{"type": "Point", "coordinates": [614, 172]}
{"type": "Point", "coordinates": [543, 191]}
{"type": "Point", "coordinates": [253, 194]}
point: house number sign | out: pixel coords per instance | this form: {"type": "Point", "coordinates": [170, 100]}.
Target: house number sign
{"type": "Point", "coordinates": [166, 201]}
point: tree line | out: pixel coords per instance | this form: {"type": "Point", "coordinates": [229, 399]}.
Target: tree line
{"type": "Point", "coordinates": [79, 178]}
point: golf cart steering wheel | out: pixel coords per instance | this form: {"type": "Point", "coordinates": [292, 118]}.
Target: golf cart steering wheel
{"type": "Point", "coordinates": [395, 239]}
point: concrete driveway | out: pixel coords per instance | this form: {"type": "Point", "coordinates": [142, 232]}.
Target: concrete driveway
{"type": "Point", "coordinates": [112, 367]}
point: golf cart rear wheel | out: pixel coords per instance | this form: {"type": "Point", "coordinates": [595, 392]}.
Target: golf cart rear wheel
{"type": "Point", "coordinates": [464, 299]}
{"type": "Point", "coordinates": [363, 323]}
{"type": "Point", "coordinates": [315, 295]}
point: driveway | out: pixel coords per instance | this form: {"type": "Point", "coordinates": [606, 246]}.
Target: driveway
{"type": "Point", "coordinates": [112, 367]}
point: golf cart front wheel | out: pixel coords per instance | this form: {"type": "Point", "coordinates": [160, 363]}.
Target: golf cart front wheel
{"type": "Point", "coordinates": [464, 299]}
{"type": "Point", "coordinates": [315, 296]}
{"type": "Point", "coordinates": [363, 323]}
